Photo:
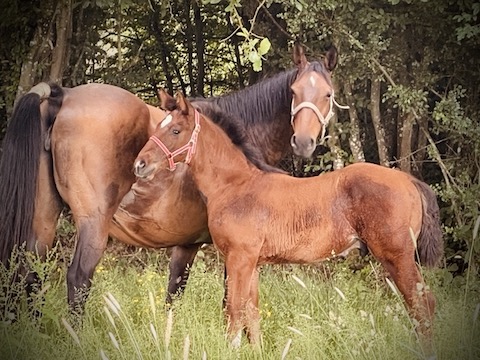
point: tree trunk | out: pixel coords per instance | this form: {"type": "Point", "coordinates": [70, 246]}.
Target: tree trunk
{"type": "Point", "coordinates": [355, 141]}
{"type": "Point", "coordinates": [189, 44]}
{"type": "Point", "coordinates": [335, 149]}
{"type": "Point", "coordinates": [419, 157]}
{"type": "Point", "coordinates": [200, 48]}
{"type": "Point", "coordinates": [119, 36]}
{"type": "Point", "coordinates": [158, 34]}
{"type": "Point", "coordinates": [29, 65]}
{"type": "Point", "coordinates": [377, 121]}
{"type": "Point", "coordinates": [60, 51]}
{"type": "Point", "coordinates": [406, 143]}
{"type": "Point", "coordinates": [238, 58]}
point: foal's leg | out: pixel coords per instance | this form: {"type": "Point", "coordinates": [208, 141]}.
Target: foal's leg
{"type": "Point", "coordinates": [242, 276]}
{"type": "Point", "coordinates": [251, 311]}
{"type": "Point", "coordinates": [419, 300]}
{"type": "Point", "coordinates": [181, 261]}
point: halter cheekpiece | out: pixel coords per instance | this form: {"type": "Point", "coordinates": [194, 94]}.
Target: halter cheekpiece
{"type": "Point", "coordinates": [189, 147]}
{"type": "Point", "coordinates": [323, 120]}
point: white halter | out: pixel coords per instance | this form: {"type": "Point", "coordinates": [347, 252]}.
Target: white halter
{"type": "Point", "coordinates": [323, 120]}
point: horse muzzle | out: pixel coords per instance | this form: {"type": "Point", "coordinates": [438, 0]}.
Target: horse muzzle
{"type": "Point", "coordinates": [142, 170]}
{"type": "Point", "coordinates": [303, 146]}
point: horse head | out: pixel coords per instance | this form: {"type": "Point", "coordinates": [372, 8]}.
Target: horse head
{"type": "Point", "coordinates": [313, 100]}
{"type": "Point", "coordinates": [176, 136]}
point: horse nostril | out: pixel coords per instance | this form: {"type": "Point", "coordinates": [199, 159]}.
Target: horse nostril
{"type": "Point", "coordinates": [312, 142]}
{"type": "Point", "coordinates": [139, 165]}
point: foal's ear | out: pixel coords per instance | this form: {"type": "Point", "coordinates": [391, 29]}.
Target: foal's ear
{"type": "Point", "coordinates": [167, 102]}
{"type": "Point", "coordinates": [182, 103]}
{"type": "Point", "coordinates": [299, 58]}
{"type": "Point", "coordinates": [331, 58]}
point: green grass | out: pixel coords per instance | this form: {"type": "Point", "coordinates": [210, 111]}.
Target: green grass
{"type": "Point", "coordinates": [308, 312]}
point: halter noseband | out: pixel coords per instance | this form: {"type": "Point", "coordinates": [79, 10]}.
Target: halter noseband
{"type": "Point", "coordinates": [323, 120]}
{"type": "Point", "coordinates": [190, 147]}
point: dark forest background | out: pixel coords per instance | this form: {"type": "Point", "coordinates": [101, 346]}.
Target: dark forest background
{"type": "Point", "coordinates": [408, 69]}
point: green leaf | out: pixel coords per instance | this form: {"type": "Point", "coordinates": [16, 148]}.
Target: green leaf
{"type": "Point", "coordinates": [254, 57]}
{"type": "Point", "coordinates": [299, 5]}
{"type": "Point", "coordinates": [264, 46]}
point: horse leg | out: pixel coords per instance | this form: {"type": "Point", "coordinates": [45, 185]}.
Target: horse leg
{"type": "Point", "coordinates": [242, 276]}
{"type": "Point", "coordinates": [251, 311]}
{"type": "Point", "coordinates": [180, 263]}
{"type": "Point", "coordinates": [91, 243]}
{"type": "Point", "coordinates": [419, 300]}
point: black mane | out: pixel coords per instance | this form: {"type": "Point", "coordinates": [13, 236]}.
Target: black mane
{"type": "Point", "coordinates": [259, 103]}
{"type": "Point", "coordinates": [236, 132]}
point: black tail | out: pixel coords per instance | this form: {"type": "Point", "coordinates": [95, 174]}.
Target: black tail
{"type": "Point", "coordinates": [430, 243]}
{"type": "Point", "coordinates": [19, 164]}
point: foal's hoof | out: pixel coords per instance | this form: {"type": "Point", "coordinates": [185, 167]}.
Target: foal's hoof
{"type": "Point", "coordinates": [237, 340]}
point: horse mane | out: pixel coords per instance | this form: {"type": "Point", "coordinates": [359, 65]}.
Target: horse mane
{"type": "Point", "coordinates": [259, 103]}
{"type": "Point", "coordinates": [233, 129]}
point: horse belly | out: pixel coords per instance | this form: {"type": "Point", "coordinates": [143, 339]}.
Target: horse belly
{"type": "Point", "coordinates": [305, 246]}
{"type": "Point", "coordinates": [150, 232]}
{"type": "Point", "coordinates": [159, 214]}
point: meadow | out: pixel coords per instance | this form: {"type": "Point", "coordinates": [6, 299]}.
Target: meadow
{"type": "Point", "coordinates": [323, 311]}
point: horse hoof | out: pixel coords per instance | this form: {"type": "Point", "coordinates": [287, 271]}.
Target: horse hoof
{"type": "Point", "coordinates": [237, 340]}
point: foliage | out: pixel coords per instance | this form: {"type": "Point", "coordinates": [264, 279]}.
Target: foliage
{"type": "Point", "coordinates": [423, 52]}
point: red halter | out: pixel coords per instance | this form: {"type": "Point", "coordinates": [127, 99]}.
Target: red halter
{"type": "Point", "coordinates": [190, 147]}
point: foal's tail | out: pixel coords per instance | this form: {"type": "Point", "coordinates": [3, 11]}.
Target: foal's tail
{"type": "Point", "coordinates": [19, 165]}
{"type": "Point", "coordinates": [430, 243]}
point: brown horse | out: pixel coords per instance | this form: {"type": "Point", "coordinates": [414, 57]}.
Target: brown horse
{"type": "Point", "coordinates": [258, 218]}
{"type": "Point", "coordinates": [76, 147]}
{"type": "Point", "coordinates": [152, 214]}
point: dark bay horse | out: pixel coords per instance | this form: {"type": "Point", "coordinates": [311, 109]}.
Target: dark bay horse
{"type": "Point", "coordinates": [259, 218]}
{"type": "Point", "coordinates": [76, 147]}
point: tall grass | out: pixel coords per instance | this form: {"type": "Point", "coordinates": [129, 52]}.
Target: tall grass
{"type": "Point", "coordinates": [308, 312]}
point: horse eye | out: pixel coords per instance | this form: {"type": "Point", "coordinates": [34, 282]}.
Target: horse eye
{"type": "Point", "coordinates": [329, 95]}
{"type": "Point", "coordinates": [176, 132]}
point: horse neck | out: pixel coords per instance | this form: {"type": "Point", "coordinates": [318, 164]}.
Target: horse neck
{"type": "Point", "coordinates": [218, 163]}
{"type": "Point", "coordinates": [264, 110]}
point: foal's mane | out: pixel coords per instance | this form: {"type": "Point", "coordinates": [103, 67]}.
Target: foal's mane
{"type": "Point", "coordinates": [237, 134]}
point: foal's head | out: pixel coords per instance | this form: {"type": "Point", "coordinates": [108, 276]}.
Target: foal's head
{"type": "Point", "coordinates": [175, 138]}
{"type": "Point", "coordinates": [312, 103]}
{"type": "Point", "coordinates": [178, 133]}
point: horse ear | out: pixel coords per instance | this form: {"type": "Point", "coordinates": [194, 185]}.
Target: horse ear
{"type": "Point", "coordinates": [182, 103]}
{"type": "Point", "coordinates": [167, 102]}
{"type": "Point", "coordinates": [331, 58]}
{"type": "Point", "coordinates": [299, 58]}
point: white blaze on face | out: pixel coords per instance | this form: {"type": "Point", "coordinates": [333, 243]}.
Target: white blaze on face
{"type": "Point", "coordinates": [312, 80]}
{"type": "Point", "coordinates": [166, 121]}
